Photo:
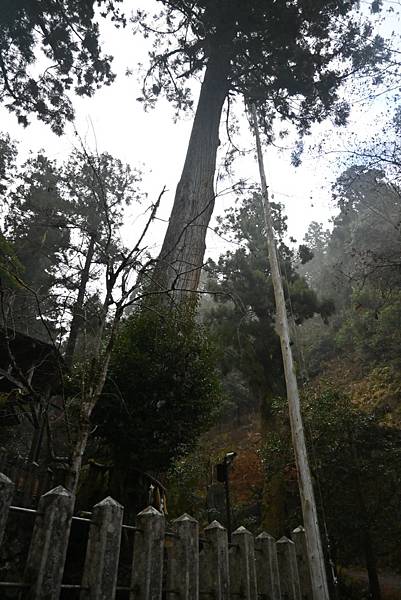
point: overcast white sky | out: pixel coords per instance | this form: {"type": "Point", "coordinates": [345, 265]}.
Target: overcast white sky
{"type": "Point", "coordinates": [114, 121]}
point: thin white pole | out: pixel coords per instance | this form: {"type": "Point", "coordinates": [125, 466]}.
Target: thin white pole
{"type": "Point", "coordinates": [313, 539]}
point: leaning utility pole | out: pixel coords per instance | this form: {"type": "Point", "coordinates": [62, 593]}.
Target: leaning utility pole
{"type": "Point", "coordinates": [313, 540]}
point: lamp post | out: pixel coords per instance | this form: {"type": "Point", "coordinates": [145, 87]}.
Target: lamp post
{"type": "Point", "coordinates": [222, 471]}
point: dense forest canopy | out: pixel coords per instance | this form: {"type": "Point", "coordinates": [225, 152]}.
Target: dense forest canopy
{"type": "Point", "coordinates": [320, 44]}
{"type": "Point", "coordinates": [357, 264]}
{"type": "Point", "coordinates": [108, 376]}
{"type": "Point", "coordinates": [243, 312]}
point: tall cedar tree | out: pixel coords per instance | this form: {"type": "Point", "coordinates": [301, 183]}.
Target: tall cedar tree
{"type": "Point", "coordinates": [241, 314]}
{"type": "Point", "coordinates": [68, 38]}
{"type": "Point", "coordinates": [289, 57]}
{"type": "Point", "coordinates": [35, 224]}
{"type": "Point", "coordinates": [63, 223]}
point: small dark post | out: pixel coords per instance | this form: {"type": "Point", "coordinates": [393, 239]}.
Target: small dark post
{"type": "Point", "coordinates": [222, 470]}
{"type": "Point", "coordinates": [228, 506]}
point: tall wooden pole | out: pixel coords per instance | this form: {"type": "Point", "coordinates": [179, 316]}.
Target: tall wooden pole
{"type": "Point", "coordinates": [313, 540]}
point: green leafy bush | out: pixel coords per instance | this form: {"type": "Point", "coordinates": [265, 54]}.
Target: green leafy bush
{"type": "Point", "coordinates": [162, 389]}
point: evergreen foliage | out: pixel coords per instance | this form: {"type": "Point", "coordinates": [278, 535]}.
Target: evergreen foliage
{"type": "Point", "coordinates": [55, 213]}
{"type": "Point", "coordinates": [36, 225]}
{"type": "Point", "coordinates": [289, 58]}
{"type": "Point", "coordinates": [357, 264]}
{"type": "Point", "coordinates": [356, 463]}
{"type": "Point", "coordinates": [162, 390]}
{"type": "Point", "coordinates": [67, 36]}
{"type": "Point", "coordinates": [8, 154]}
{"type": "Point", "coordinates": [242, 315]}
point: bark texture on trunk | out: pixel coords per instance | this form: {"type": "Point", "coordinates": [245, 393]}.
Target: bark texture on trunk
{"type": "Point", "coordinates": [77, 316]}
{"type": "Point", "coordinates": [181, 257]}
{"type": "Point", "coordinates": [368, 547]}
{"type": "Point", "coordinates": [97, 380]}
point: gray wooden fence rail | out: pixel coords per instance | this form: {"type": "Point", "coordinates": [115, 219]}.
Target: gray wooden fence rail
{"type": "Point", "coordinates": [178, 564]}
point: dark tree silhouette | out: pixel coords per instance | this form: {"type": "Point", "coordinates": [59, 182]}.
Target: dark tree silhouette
{"type": "Point", "coordinates": [68, 37]}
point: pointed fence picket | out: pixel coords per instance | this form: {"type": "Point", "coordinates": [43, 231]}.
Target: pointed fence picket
{"type": "Point", "coordinates": [176, 564]}
{"type": "Point", "coordinates": [268, 580]}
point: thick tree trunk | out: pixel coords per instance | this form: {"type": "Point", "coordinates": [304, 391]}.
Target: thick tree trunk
{"type": "Point", "coordinates": [181, 257]}
{"type": "Point", "coordinates": [371, 566]}
{"type": "Point", "coordinates": [77, 316]}
{"type": "Point", "coordinates": [368, 548]}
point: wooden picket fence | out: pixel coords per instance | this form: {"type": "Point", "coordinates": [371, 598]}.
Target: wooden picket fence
{"type": "Point", "coordinates": [174, 564]}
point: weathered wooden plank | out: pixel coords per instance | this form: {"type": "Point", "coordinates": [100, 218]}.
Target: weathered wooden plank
{"type": "Point", "coordinates": [268, 579]}
{"type": "Point", "coordinates": [242, 565]}
{"type": "Point", "coordinates": [183, 560]}
{"type": "Point", "coordinates": [287, 564]}
{"type": "Point", "coordinates": [48, 548]}
{"type": "Point", "coordinates": [298, 537]}
{"type": "Point", "coordinates": [147, 570]}
{"type": "Point", "coordinates": [214, 574]}
{"type": "Point", "coordinates": [103, 551]}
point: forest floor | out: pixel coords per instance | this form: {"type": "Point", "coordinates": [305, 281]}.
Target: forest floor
{"type": "Point", "coordinates": [390, 583]}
